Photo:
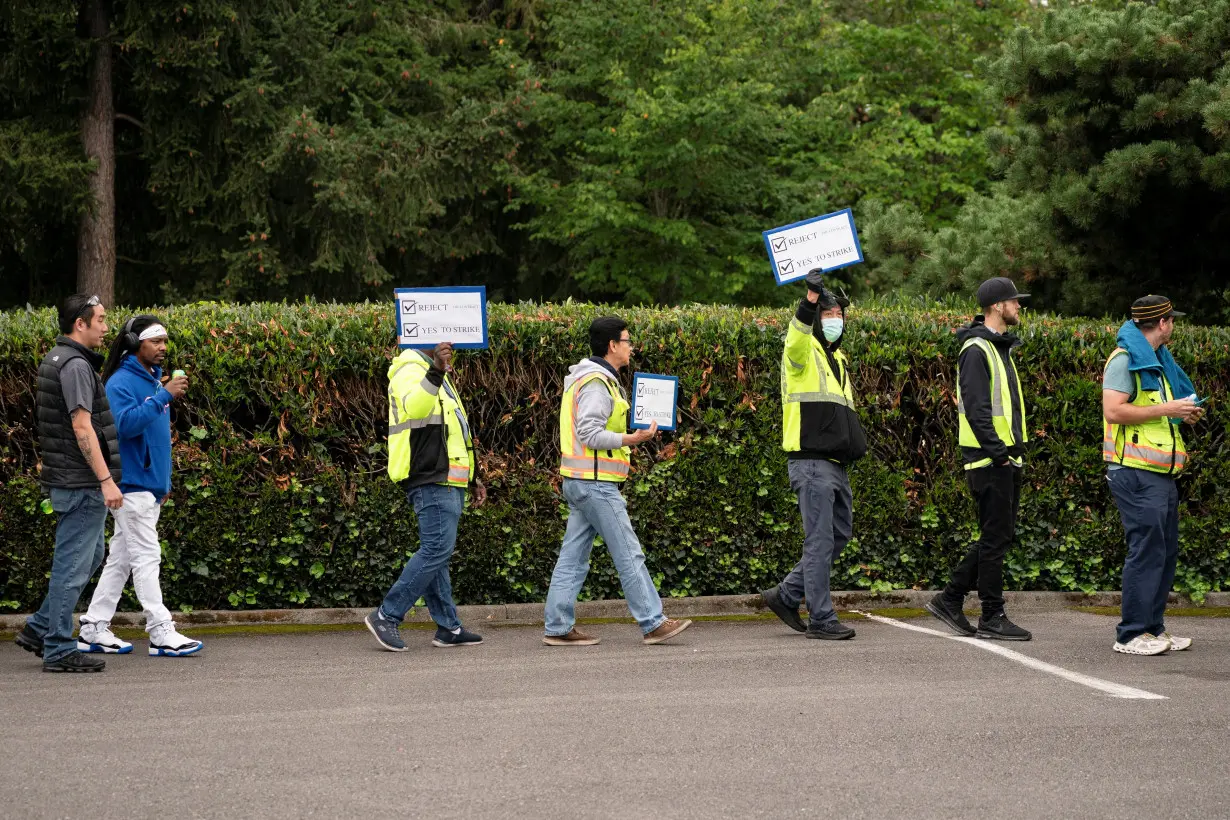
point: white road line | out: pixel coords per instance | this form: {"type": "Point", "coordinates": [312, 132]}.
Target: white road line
{"type": "Point", "coordinates": [1115, 690]}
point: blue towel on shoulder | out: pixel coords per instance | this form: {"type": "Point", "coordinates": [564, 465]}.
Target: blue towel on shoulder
{"type": "Point", "coordinates": [1149, 364]}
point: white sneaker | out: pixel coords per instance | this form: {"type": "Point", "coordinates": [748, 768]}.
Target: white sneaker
{"type": "Point", "coordinates": [1177, 644]}
{"type": "Point", "coordinates": [99, 638]}
{"type": "Point", "coordinates": [166, 641]}
{"type": "Point", "coordinates": [1145, 644]}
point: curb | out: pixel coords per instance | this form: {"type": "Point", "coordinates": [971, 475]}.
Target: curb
{"type": "Point", "coordinates": [710, 605]}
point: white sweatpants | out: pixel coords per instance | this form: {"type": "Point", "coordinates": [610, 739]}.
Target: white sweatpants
{"type": "Point", "coordinates": [134, 550]}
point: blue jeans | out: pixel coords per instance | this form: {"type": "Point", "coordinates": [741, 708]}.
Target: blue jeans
{"type": "Point", "coordinates": [426, 573]}
{"type": "Point", "coordinates": [1149, 508]}
{"type": "Point", "coordinates": [827, 507]}
{"type": "Point", "coordinates": [598, 508]}
{"type": "Point", "coordinates": [81, 524]}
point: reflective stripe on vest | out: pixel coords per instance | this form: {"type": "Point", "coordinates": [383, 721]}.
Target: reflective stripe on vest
{"type": "Point", "coordinates": [1002, 409]}
{"type": "Point", "coordinates": [576, 459]}
{"type": "Point", "coordinates": [1155, 445]}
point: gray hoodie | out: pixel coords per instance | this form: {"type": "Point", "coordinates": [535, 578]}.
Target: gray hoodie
{"type": "Point", "coordinates": [594, 405]}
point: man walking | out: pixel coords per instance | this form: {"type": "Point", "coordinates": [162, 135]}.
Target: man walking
{"type": "Point", "coordinates": [822, 436]}
{"type": "Point", "coordinates": [141, 406]}
{"type": "Point", "coordinates": [1144, 453]}
{"type": "Point", "coordinates": [596, 457]}
{"type": "Point", "coordinates": [991, 422]}
{"type": "Point", "coordinates": [81, 470]}
{"type": "Point", "coordinates": [431, 455]}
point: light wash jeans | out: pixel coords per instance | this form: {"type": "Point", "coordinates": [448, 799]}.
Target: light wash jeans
{"type": "Point", "coordinates": [426, 573]}
{"type": "Point", "coordinates": [134, 550]}
{"type": "Point", "coordinates": [598, 508]}
{"type": "Point", "coordinates": [81, 542]}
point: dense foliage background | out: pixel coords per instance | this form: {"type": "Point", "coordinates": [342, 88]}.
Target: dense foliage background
{"type": "Point", "coordinates": [617, 150]}
{"type": "Point", "coordinates": [281, 497]}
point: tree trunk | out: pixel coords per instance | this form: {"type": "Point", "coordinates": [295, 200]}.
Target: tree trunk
{"type": "Point", "coordinates": [96, 238]}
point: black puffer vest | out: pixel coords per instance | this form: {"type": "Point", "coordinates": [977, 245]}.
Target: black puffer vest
{"type": "Point", "coordinates": [64, 466]}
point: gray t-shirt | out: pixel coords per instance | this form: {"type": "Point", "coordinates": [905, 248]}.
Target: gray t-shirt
{"type": "Point", "coordinates": [1118, 377]}
{"type": "Point", "coordinates": [78, 380]}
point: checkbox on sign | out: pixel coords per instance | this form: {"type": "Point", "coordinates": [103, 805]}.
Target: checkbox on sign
{"type": "Point", "coordinates": [640, 390]}
{"type": "Point", "coordinates": [410, 331]}
{"type": "Point", "coordinates": [640, 412]}
{"type": "Point", "coordinates": [785, 266]}
{"type": "Point", "coordinates": [779, 244]}
{"type": "Point", "coordinates": [409, 307]}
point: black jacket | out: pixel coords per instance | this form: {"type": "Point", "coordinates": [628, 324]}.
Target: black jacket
{"type": "Point", "coordinates": [976, 394]}
{"type": "Point", "coordinates": [64, 467]}
{"type": "Point", "coordinates": [828, 431]}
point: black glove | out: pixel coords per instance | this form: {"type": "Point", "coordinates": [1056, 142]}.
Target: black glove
{"type": "Point", "coordinates": [815, 280]}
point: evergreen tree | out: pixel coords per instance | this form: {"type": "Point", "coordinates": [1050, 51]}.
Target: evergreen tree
{"type": "Point", "coordinates": [1116, 167]}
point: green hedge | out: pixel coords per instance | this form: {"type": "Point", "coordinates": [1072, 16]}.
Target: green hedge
{"type": "Point", "coordinates": [281, 498]}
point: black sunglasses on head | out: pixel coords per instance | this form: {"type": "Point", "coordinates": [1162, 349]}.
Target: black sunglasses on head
{"type": "Point", "coordinates": [92, 302]}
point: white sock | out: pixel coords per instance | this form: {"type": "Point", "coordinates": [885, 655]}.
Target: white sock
{"type": "Point", "coordinates": [457, 631]}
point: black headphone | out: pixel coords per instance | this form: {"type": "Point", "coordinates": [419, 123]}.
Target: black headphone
{"type": "Point", "coordinates": [131, 340]}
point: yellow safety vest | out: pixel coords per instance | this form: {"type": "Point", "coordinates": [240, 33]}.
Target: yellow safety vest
{"type": "Point", "coordinates": [1156, 445]}
{"type": "Point", "coordinates": [807, 377]}
{"type": "Point", "coordinates": [415, 404]}
{"type": "Point", "coordinates": [1002, 409]}
{"type": "Point", "coordinates": [578, 460]}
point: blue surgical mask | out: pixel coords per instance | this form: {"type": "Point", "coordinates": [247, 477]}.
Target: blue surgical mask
{"type": "Point", "coordinates": [832, 328]}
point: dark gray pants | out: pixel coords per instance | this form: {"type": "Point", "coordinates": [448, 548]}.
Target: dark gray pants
{"type": "Point", "coordinates": [827, 507]}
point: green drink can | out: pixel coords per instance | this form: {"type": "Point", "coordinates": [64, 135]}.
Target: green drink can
{"type": "Point", "coordinates": [46, 507]}
{"type": "Point", "coordinates": [176, 374]}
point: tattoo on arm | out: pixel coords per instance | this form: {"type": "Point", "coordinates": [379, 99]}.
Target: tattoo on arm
{"type": "Point", "coordinates": [85, 441]}
{"type": "Point", "coordinates": [87, 447]}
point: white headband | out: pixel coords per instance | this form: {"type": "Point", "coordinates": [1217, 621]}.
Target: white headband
{"type": "Point", "coordinates": [153, 332]}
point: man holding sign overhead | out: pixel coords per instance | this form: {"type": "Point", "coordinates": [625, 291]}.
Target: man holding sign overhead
{"type": "Point", "coordinates": [595, 459]}
{"type": "Point", "coordinates": [822, 435]}
{"type": "Point", "coordinates": [431, 455]}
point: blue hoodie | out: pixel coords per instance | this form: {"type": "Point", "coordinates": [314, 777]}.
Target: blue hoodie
{"type": "Point", "coordinates": [141, 406]}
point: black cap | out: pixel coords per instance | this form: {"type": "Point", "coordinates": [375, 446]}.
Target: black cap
{"type": "Point", "coordinates": [1151, 308]}
{"type": "Point", "coordinates": [828, 300]}
{"type": "Point", "coordinates": [999, 289]}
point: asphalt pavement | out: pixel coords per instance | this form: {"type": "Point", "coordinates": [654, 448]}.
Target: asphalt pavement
{"type": "Point", "coordinates": [732, 719]}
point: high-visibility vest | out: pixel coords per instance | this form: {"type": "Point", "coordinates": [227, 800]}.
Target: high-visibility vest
{"type": "Point", "coordinates": [417, 404]}
{"type": "Point", "coordinates": [1155, 445]}
{"type": "Point", "coordinates": [1003, 411]}
{"type": "Point", "coordinates": [576, 459]}
{"type": "Point", "coordinates": [808, 377]}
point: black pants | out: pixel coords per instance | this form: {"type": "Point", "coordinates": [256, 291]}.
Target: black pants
{"type": "Point", "coordinates": [997, 494]}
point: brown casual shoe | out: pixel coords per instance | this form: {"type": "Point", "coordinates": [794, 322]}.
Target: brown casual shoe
{"type": "Point", "coordinates": [574, 638]}
{"type": "Point", "coordinates": [668, 629]}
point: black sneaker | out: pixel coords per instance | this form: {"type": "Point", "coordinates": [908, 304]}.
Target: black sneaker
{"type": "Point", "coordinates": [462, 638]}
{"type": "Point", "coordinates": [75, 662]}
{"type": "Point", "coordinates": [830, 631]}
{"type": "Point", "coordinates": [951, 615]}
{"type": "Point", "coordinates": [999, 628]}
{"type": "Point", "coordinates": [384, 630]}
{"type": "Point", "coordinates": [29, 640]}
{"type": "Point", "coordinates": [790, 617]}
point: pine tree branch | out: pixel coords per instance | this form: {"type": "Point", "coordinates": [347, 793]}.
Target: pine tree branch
{"type": "Point", "coordinates": [132, 120]}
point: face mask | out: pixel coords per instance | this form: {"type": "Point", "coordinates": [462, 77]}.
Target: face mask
{"type": "Point", "coordinates": [833, 328]}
